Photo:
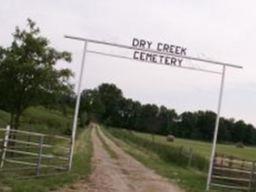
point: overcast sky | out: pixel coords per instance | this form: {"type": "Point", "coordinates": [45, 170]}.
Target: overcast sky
{"type": "Point", "coordinates": [223, 30]}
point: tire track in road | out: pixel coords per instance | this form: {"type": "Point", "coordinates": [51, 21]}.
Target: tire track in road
{"type": "Point", "coordinates": [121, 174]}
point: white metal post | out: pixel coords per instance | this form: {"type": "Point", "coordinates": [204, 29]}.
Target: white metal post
{"type": "Point", "coordinates": [216, 129]}
{"type": "Point", "coordinates": [73, 138]}
{"type": "Point", "coordinates": [39, 161]}
{"type": "Point", "coordinates": [7, 133]}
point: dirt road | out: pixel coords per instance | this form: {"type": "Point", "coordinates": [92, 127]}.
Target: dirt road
{"type": "Point", "coordinates": [121, 174]}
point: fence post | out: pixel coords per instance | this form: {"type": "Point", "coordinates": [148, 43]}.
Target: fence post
{"type": "Point", "coordinates": [250, 187]}
{"type": "Point", "coordinates": [69, 154]}
{"type": "Point", "coordinates": [38, 167]}
{"type": "Point", "coordinates": [5, 145]}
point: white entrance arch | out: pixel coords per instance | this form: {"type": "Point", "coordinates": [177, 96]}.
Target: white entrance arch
{"type": "Point", "coordinates": [147, 50]}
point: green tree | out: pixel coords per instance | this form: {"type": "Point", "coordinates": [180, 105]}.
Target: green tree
{"type": "Point", "coordinates": [206, 123]}
{"type": "Point", "coordinates": [149, 119]}
{"type": "Point", "coordinates": [187, 127]}
{"type": "Point", "coordinates": [92, 105]}
{"type": "Point", "coordinates": [112, 98]}
{"type": "Point", "coordinates": [28, 75]}
{"type": "Point", "coordinates": [166, 120]}
{"type": "Point", "coordinates": [224, 131]}
{"type": "Point", "coordinates": [129, 113]}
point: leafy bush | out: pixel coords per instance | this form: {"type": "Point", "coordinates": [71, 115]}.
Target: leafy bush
{"type": "Point", "coordinates": [240, 145]}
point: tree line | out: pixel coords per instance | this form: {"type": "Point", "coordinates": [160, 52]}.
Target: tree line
{"type": "Point", "coordinates": [106, 104]}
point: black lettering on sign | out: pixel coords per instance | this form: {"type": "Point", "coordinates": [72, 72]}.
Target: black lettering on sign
{"type": "Point", "coordinates": [167, 61]}
{"type": "Point", "coordinates": [172, 47]}
{"type": "Point", "coordinates": [183, 51]}
{"type": "Point", "coordinates": [142, 56]}
{"type": "Point", "coordinates": [149, 44]}
{"type": "Point", "coordinates": [135, 42]}
{"type": "Point", "coordinates": [143, 44]}
{"type": "Point", "coordinates": [154, 56]}
{"type": "Point", "coordinates": [161, 58]}
{"type": "Point", "coordinates": [173, 61]}
{"type": "Point", "coordinates": [180, 62]}
{"type": "Point", "coordinates": [149, 57]}
{"type": "Point", "coordinates": [166, 48]}
{"type": "Point", "coordinates": [177, 50]}
{"type": "Point", "coordinates": [159, 46]}
{"type": "Point", "coordinates": [135, 55]}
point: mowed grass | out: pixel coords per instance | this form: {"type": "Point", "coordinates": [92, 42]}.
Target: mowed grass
{"type": "Point", "coordinates": [204, 148]}
{"type": "Point", "coordinates": [81, 169]}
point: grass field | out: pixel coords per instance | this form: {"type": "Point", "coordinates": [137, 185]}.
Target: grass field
{"type": "Point", "coordinates": [204, 148]}
{"type": "Point", "coordinates": [46, 121]}
{"type": "Point", "coordinates": [40, 119]}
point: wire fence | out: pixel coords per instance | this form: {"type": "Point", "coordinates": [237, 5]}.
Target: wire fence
{"type": "Point", "coordinates": [26, 154]}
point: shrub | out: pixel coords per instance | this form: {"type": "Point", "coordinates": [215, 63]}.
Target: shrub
{"type": "Point", "coordinates": [240, 145]}
{"type": "Point", "coordinates": [170, 138]}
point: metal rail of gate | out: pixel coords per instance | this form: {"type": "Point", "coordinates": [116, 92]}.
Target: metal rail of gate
{"type": "Point", "coordinates": [233, 174]}
{"type": "Point", "coordinates": [27, 154]}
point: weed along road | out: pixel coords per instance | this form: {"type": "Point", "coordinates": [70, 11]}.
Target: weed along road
{"type": "Point", "coordinates": [116, 171]}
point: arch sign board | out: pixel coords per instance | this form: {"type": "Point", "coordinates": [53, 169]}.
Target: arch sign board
{"type": "Point", "coordinates": [157, 53]}
{"type": "Point", "coordinates": [158, 58]}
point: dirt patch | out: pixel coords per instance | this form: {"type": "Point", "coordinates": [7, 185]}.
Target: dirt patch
{"type": "Point", "coordinates": [123, 174]}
